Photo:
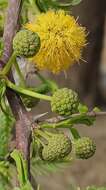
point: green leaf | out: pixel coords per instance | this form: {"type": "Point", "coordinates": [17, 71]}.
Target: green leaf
{"type": "Point", "coordinates": [2, 88]}
{"type": "Point", "coordinates": [75, 2]}
{"type": "Point", "coordinates": [21, 165]}
{"type": "Point", "coordinates": [52, 85]}
{"type": "Point", "coordinates": [70, 121]}
{"type": "Point", "coordinates": [22, 169]}
{"type": "Point", "coordinates": [83, 119]}
{"type": "Point", "coordinates": [95, 188]}
{"type": "Point", "coordinates": [1, 40]}
{"type": "Point", "coordinates": [3, 4]}
{"type": "Point", "coordinates": [3, 104]}
{"type": "Point", "coordinates": [75, 133]}
{"type": "Point", "coordinates": [40, 167]}
{"type": "Point", "coordinates": [4, 175]}
{"type": "Point", "coordinates": [73, 187]}
{"type": "Point", "coordinates": [27, 186]}
{"type": "Point", "coordinates": [82, 108]}
{"type": "Point", "coordinates": [4, 169]}
{"type": "Point", "coordinates": [96, 109]}
{"type": "Point", "coordinates": [44, 5]}
{"type": "Point", "coordinates": [6, 124]}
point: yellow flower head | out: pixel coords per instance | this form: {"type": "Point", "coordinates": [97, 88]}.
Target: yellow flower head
{"type": "Point", "coordinates": [62, 40]}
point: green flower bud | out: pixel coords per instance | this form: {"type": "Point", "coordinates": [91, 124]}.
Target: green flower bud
{"type": "Point", "coordinates": [84, 148]}
{"type": "Point", "coordinates": [65, 101]}
{"type": "Point", "coordinates": [58, 147]}
{"type": "Point", "coordinates": [26, 43]}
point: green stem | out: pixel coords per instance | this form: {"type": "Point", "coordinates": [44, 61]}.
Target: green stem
{"type": "Point", "coordinates": [42, 89]}
{"type": "Point", "coordinates": [39, 141]}
{"type": "Point", "coordinates": [69, 122]}
{"type": "Point", "coordinates": [75, 133]}
{"type": "Point", "coordinates": [4, 107]}
{"type": "Point", "coordinates": [7, 67]}
{"type": "Point", "coordinates": [27, 92]}
{"type": "Point", "coordinates": [19, 74]}
{"type": "Point", "coordinates": [24, 17]}
{"type": "Point", "coordinates": [48, 133]}
{"type": "Point", "coordinates": [34, 6]}
{"type": "Point", "coordinates": [42, 134]}
{"type": "Point", "coordinates": [37, 9]}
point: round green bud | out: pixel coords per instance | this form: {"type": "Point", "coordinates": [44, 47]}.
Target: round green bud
{"type": "Point", "coordinates": [65, 102]}
{"type": "Point", "coordinates": [84, 148]}
{"type": "Point", "coordinates": [59, 146]}
{"type": "Point", "coordinates": [26, 43]}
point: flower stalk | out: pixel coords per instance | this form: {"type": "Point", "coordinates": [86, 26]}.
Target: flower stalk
{"type": "Point", "coordinates": [27, 92]}
{"type": "Point", "coordinates": [21, 77]}
{"type": "Point", "coordinates": [7, 67]}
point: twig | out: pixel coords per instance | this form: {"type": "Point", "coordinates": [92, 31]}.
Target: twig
{"type": "Point", "coordinates": [11, 26]}
{"type": "Point", "coordinates": [67, 122]}
{"type": "Point", "coordinates": [60, 118]}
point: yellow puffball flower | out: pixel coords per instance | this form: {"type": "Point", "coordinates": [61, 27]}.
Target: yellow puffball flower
{"type": "Point", "coordinates": [62, 40]}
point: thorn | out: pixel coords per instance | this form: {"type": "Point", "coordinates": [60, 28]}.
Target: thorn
{"type": "Point", "coordinates": [39, 116]}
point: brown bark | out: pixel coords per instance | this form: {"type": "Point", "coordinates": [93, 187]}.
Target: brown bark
{"type": "Point", "coordinates": [11, 26]}
{"type": "Point", "coordinates": [22, 125]}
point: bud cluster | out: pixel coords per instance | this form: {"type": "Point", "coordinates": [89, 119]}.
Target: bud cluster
{"type": "Point", "coordinates": [65, 101]}
{"type": "Point", "coordinates": [84, 148]}
{"type": "Point", "coordinates": [54, 146]}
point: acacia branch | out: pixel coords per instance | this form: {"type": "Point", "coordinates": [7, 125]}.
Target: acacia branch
{"type": "Point", "coordinates": [60, 118]}
{"type": "Point", "coordinates": [22, 125]}
{"type": "Point", "coordinates": [11, 26]}
{"type": "Point", "coordinates": [67, 122]}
